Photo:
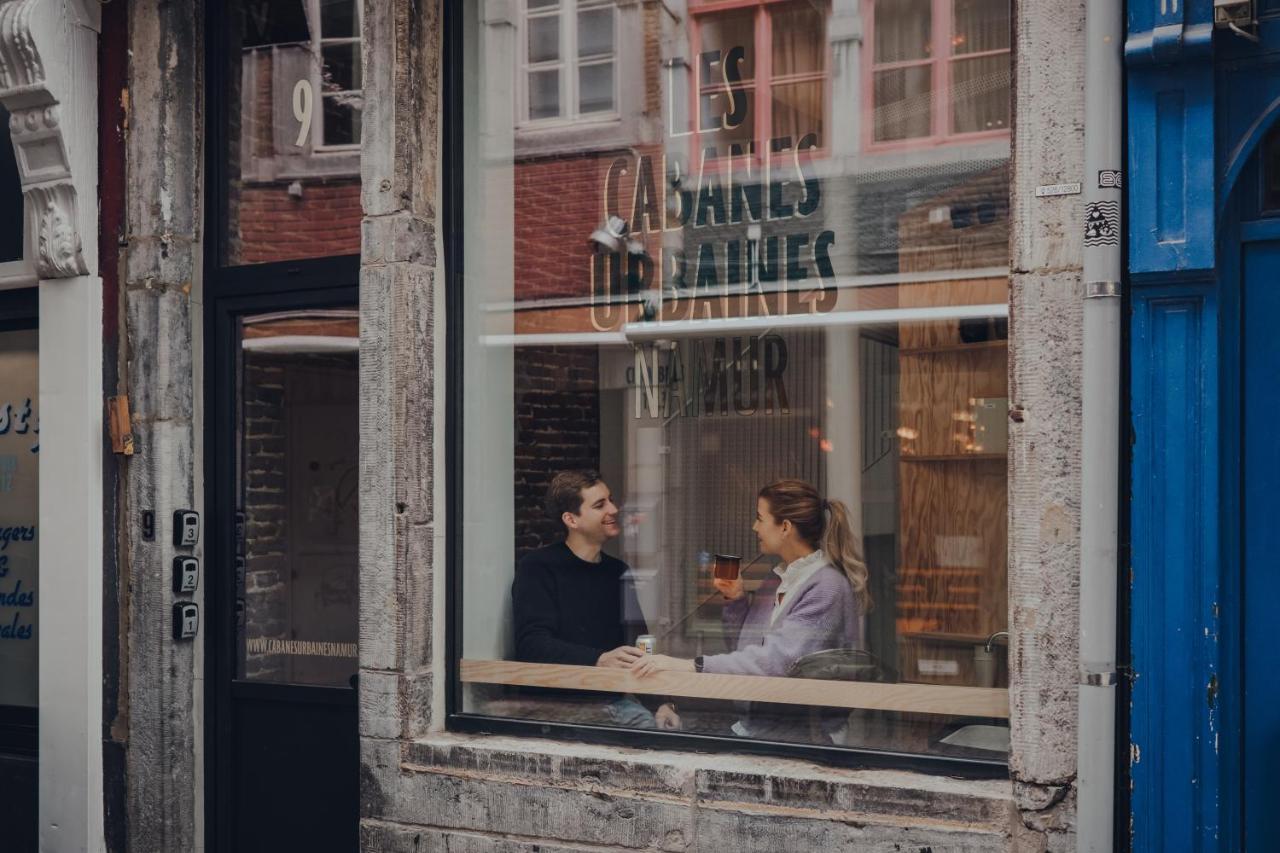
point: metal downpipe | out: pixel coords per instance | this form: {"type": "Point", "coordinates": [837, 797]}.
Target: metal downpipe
{"type": "Point", "coordinates": [1100, 416]}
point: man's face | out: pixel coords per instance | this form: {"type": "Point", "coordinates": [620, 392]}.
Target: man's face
{"type": "Point", "coordinates": [597, 518]}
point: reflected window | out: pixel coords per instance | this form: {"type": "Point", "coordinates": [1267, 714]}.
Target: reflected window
{"type": "Point", "coordinates": [761, 73]}
{"type": "Point", "coordinates": [939, 68]}
{"type": "Point", "coordinates": [570, 59]}
{"type": "Point", "coordinates": [292, 80]}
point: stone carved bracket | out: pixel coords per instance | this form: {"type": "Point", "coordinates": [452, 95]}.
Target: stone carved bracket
{"type": "Point", "coordinates": [35, 128]}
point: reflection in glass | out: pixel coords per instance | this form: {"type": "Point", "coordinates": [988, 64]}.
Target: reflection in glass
{"type": "Point", "coordinates": [904, 103]}
{"type": "Point", "coordinates": [544, 94]}
{"type": "Point", "coordinates": [292, 131]}
{"type": "Point", "coordinates": [595, 88]}
{"type": "Point", "coordinates": [903, 30]}
{"type": "Point", "coordinates": [544, 38]}
{"type": "Point", "coordinates": [799, 39]}
{"type": "Point", "coordinates": [980, 94]}
{"type": "Point", "coordinates": [979, 26]}
{"type": "Point", "coordinates": [595, 32]}
{"type": "Point", "coordinates": [297, 589]}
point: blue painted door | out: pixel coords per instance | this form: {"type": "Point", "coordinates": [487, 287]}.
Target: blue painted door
{"type": "Point", "coordinates": [1260, 587]}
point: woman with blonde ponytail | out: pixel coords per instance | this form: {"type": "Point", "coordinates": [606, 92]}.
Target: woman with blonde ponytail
{"type": "Point", "coordinates": [818, 600]}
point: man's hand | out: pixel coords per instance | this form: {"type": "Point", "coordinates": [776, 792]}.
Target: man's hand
{"type": "Point", "coordinates": [650, 664]}
{"type": "Point", "coordinates": [667, 717]}
{"type": "Point", "coordinates": [620, 658]}
{"type": "Point", "coordinates": [732, 590]}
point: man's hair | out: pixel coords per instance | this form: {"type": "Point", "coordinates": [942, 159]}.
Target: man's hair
{"type": "Point", "coordinates": [565, 492]}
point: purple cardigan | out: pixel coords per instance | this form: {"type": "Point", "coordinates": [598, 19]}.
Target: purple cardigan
{"type": "Point", "coordinates": [820, 614]}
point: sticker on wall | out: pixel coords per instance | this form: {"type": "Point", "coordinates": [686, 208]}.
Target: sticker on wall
{"type": "Point", "coordinates": [1102, 223]}
{"type": "Point", "coordinates": [1109, 179]}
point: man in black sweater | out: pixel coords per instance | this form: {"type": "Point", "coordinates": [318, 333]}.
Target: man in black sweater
{"type": "Point", "coordinates": [569, 600]}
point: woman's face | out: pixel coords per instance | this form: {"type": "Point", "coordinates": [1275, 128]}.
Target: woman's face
{"type": "Point", "coordinates": [769, 532]}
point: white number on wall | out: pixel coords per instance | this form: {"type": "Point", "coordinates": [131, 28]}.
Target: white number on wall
{"type": "Point", "coordinates": [303, 109]}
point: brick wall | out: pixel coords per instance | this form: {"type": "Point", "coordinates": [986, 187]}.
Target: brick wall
{"type": "Point", "coordinates": [275, 226]}
{"type": "Point", "coordinates": [557, 409]}
{"type": "Point", "coordinates": [266, 513]}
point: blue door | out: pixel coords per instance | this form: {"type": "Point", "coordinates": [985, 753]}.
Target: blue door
{"type": "Point", "coordinates": [1260, 582]}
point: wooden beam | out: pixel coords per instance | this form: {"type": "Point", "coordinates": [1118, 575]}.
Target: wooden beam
{"type": "Point", "coordinates": [911, 698]}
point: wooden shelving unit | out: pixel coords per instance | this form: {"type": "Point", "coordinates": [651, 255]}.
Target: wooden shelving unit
{"type": "Point", "coordinates": [952, 586]}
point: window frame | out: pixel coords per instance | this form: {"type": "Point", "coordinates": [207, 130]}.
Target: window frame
{"type": "Point", "coordinates": [940, 63]}
{"type": "Point", "coordinates": [568, 64]}
{"type": "Point", "coordinates": [457, 720]}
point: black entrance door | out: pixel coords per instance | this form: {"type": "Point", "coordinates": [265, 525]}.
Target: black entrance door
{"type": "Point", "coordinates": [283, 581]}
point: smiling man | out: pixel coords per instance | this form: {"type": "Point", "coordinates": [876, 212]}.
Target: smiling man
{"type": "Point", "coordinates": [569, 600]}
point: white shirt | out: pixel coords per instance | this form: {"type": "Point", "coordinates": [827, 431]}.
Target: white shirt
{"type": "Point", "coordinates": [794, 575]}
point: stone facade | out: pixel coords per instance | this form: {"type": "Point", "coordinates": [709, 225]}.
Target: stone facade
{"type": "Point", "coordinates": [423, 788]}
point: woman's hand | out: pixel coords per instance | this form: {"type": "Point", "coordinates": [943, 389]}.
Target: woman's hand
{"type": "Point", "coordinates": [668, 719]}
{"type": "Point", "coordinates": [730, 589]}
{"type": "Point", "coordinates": [649, 664]}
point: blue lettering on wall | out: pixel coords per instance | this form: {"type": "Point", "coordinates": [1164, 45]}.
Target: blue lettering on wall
{"type": "Point", "coordinates": [21, 419]}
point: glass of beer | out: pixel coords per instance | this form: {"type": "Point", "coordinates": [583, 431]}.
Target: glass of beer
{"type": "Point", "coordinates": [726, 567]}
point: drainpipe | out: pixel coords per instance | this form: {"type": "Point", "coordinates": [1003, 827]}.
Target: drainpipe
{"type": "Point", "coordinates": [1100, 416]}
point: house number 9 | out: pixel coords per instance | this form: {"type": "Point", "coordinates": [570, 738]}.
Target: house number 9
{"type": "Point", "coordinates": [303, 109]}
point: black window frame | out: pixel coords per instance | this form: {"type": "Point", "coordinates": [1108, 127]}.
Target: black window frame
{"type": "Point", "coordinates": [453, 193]}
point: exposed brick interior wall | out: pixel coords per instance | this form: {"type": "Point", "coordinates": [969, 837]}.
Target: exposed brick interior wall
{"type": "Point", "coordinates": [557, 409]}
{"type": "Point", "coordinates": [266, 512]}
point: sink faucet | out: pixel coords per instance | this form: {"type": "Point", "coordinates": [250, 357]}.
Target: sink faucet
{"type": "Point", "coordinates": [992, 639]}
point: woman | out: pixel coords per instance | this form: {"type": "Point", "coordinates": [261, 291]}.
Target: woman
{"type": "Point", "coordinates": [818, 601]}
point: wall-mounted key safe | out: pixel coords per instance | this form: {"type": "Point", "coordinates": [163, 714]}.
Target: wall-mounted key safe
{"type": "Point", "coordinates": [186, 620]}
{"type": "Point", "coordinates": [186, 574]}
{"type": "Point", "coordinates": [186, 528]}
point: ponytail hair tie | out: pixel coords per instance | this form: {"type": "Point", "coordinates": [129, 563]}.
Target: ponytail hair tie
{"type": "Point", "coordinates": [826, 505]}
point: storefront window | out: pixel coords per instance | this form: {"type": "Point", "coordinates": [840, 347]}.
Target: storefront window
{"type": "Point", "coordinates": [19, 500]}
{"type": "Point", "coordinates": [719, 303]}
{"type": "Point", "coordinates": [292, 128]}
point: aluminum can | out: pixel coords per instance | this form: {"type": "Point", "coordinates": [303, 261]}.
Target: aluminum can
{"type": "Point", "coordinates": [646, 642]}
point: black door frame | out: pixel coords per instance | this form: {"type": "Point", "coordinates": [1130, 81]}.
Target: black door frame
{"type": "Point", "coordinates": [228, 292]}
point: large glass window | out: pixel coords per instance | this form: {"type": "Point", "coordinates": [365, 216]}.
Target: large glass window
{"type": "Point", "coordinates": [291, 132]}
{"type": "Point", "coordinates": [783, 372]}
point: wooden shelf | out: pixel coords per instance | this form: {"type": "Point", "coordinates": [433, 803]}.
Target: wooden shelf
{"type": "Point", "coordinates": [976, 345]}
{"type": "Point", "coordinates": [955, 457]}
{"type": "Point", "coordinates": [953, 639]}
{"type": "Point", "coordinates": [904, 697]}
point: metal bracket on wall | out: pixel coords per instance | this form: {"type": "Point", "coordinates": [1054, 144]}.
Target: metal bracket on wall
{"type": "Point", "coordinates": [1101, 289]}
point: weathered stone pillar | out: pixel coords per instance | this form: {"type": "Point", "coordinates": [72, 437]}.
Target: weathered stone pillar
{"type": "Point", "coordinates": [160, 352]}
{"type": "Point", "coordinates": [1044, 437]}
{"type": "Point", "coordinates": [401, 303]}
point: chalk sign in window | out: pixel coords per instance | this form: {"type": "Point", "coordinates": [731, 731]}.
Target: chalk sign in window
{"type": "Point", "coordinates": [19, 499]}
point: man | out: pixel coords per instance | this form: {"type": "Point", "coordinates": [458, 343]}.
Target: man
{"type": "Point", "coordinates": [569, 600]}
